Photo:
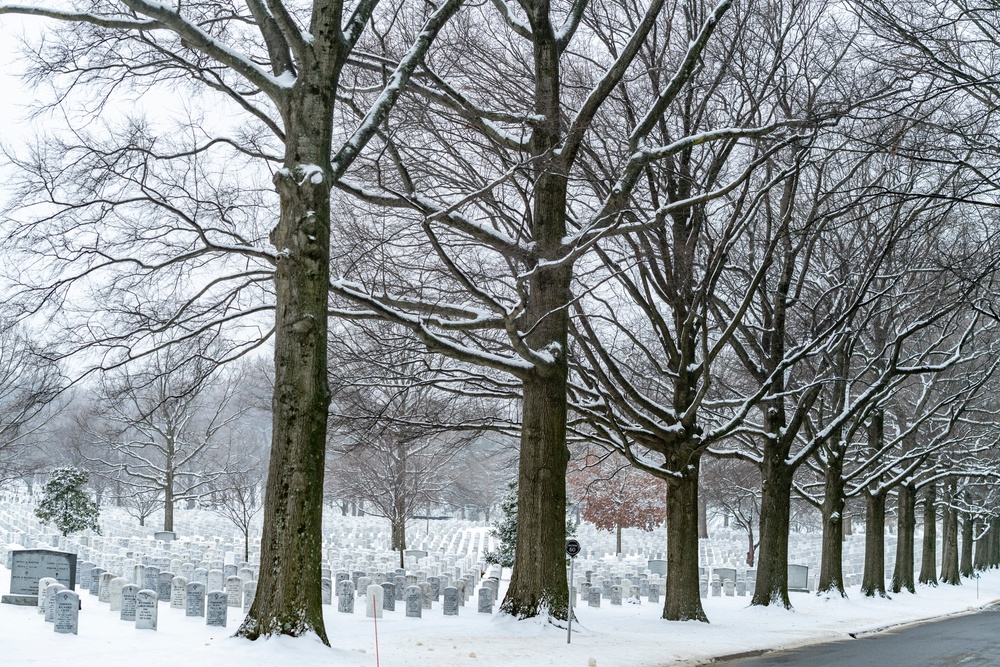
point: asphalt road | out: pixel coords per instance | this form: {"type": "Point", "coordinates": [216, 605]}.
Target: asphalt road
{"type": "Point", "coordinates": [970, 640]}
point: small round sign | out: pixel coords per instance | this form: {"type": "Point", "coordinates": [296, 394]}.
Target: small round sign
{"type": "Point", "coordinates": [572, 548]}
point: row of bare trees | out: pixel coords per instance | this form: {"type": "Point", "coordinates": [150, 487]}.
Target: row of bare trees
{"type": "Point", "coordinates": [758, 230]}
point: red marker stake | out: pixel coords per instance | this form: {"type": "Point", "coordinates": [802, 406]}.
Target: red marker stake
{"type": "Point", "coordinates": [375, 619]}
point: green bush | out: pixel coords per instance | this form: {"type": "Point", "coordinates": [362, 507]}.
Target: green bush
{"type": "Point", "coordinates": [66, 505]}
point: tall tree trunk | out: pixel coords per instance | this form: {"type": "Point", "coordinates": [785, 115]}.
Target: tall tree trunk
{"type": "Point", "coordinates": [618, 538]}
{"type": "Point", "coordinates": [772, 565]}
{"type": "Point", "coordinates": [776, 473]}
{"type": "Point", "coordinates": [982, 559]}
{"type": "Point", "coordinates": [968, 529]}
{"type": "Point", "coordinates": [906, 521]}
{"type": "Point", "coordinates": [928, 566]}
{"type": "Point", "coordinates": [288, 600]}
{"type": "Point", "coordinates": [949, 535]}
{"type": "Point", "coordinates": [538, 581]}
{"type": "Point", "coordinates": [683, 599]}
{"type": "Point", "coordinates": [873, 580]}
{"type": "Point", "coordinates": [168, 504]}
{"type": "Point", "coordinates": [831, 571]}
{"type": "Point", "coordinates": [702, 519]}
{"type": "Point", "coordinates": [995, 542]}
{"type": "Point", "coordinates": [168, 482]}
{"type": "Point", "coordinates": [399, 538]}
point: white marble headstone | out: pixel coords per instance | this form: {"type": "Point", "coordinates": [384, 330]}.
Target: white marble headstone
{"type": "Point", "coordinates": [146, 609]}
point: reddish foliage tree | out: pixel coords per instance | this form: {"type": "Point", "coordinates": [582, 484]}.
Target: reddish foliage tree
{"type": "Point", "coordinates": [613, 495]}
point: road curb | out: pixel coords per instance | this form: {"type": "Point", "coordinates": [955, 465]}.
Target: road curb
{"type": "Point", "coordinates": [975, 610]}
{"type": "Point", "coordinates": [987, 606]}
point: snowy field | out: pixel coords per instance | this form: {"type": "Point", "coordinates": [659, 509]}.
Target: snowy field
{"type": "Point", "coordinates": [625, 636]}
{"type": "Point", "coordinates": [611, 636]}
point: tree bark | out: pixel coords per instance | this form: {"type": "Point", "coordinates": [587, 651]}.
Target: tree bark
{"type": "Point", "coordinates": [772, 567]}
{"type": "Point", "coordinates": [831, 571]}
{"type": "Point", "coordinates": [949, 535]}
{"type": "Point", "coordinates": [982, 558]}
{"type": "Point", "coordinates": [968, 529]}
{"type": "Point", "coordinates": [683, 598]}
{"type": "Point", "coordinates": [168, 503]}
{"type": "Point", "coordinates": [168, 480]}
{"type": "Point", "coordinates": [928, 565]}
{"type": "Point", "coordinates": [399, 538]}
{"type": "Point", "coordinates": [776, 472]}
{"type": "Point", "coordinates": [873, 580]}
{"type": "Point", "coordinates": [288, 600]}
{"type": "Point", "coordinates": [702, 519]}
{"type": "Point", "coordinates": [902, 572]}
{"type": "Point", "coordinates": [995, 542]}
{"type": "Point", "coordinates": [538, 581]}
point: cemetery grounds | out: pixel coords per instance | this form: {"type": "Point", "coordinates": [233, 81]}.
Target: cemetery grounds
{"type": "Point", "coordinates": [629, 635]}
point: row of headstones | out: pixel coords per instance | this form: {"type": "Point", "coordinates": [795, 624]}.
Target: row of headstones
{"type": "Point", "coordinates": [169, 588]}
{"type": "Point", "coordinates": [184, 549]}
{"type": "Point", "coordinates": [740, 587]}
{"type": "Point", "coordinates": [616, 593]}
{"type": "Point", "coordinates": [19, 516]}
{"type": "Point", "coordinates": [618, 589]}
{"type": "Point", "coordinates": [450, 537]}
{"type": "Point", "coordinates": [131, 564]}
{"type": "Point", "coordinates": [617, 573]}
{"type": "Point", "coordinates": [88, 545]}
{"type": "Point", "coordinates": [150, 577]}
{"type": "Point", "coordinates": [137, 605]}
{"type": "Point", "coordinates": [417, 597]}
{"type": "Point", "coordinates": [400, 577]}
{"type": "Point", "coordinates": [26, 531]}
{"type": "Point", "coordinates": [153, 578]}
{"type": "Point", "coordinates": [171, 559]}
{"type": "Point", "coordinates": [416, 561]}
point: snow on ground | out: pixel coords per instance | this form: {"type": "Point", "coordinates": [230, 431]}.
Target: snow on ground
{"type": "Point", "coordinates": [626, 636]}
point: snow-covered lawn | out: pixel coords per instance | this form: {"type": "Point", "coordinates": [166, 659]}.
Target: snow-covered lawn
{"type": "Point", "coordinates": [626, 636]}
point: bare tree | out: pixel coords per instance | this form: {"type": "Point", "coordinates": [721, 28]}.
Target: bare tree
{"type": "Point", "coordinates": [732, 488]}
{"type": "Point", "coordinates": [238, 495]}
{"type": "Point", "coordinates": [486, 164]}
{"type": "Point", "coordinates": [162, 425]}
{"type": "Point", "coordinates": [482, 474]}
{"type": "Point", "coordinates": [29, 385]}
{"type": "Point", "coordinates": [395, 434]}
{"type": "Point", "coordinates": [139, 503]}
{"type": "Point", "coordinates": [277, 69]}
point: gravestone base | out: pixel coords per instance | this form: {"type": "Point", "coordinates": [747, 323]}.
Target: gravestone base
{"type": "Point", "coordinates": [20, 600]}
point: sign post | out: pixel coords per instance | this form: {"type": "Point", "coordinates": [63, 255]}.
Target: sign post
{"type": "Point", "coordinates": [572, 549]}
